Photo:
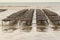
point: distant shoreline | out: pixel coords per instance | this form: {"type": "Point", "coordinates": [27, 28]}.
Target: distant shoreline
{"type": "Point", "coordinates": [29, 3]}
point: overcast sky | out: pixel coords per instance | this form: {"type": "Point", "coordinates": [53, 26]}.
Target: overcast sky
{"type": "Point", "coordinates": [29, 0]}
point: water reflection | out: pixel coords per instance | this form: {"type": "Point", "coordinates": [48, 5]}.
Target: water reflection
{"type": "Point", "coordinates": [7, 28]}
{"type": "Point", "coordinates": [26, 28]}
{"type": "Point", "coordinates": [41, 28]}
